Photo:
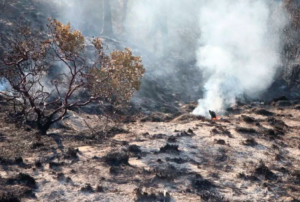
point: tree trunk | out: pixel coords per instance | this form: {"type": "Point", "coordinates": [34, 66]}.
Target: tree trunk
{"type": "Point", "coordinates": [124, 15]}
{"type": "Point", "coordinates": [43, 128]}
{"type": "Point", "coordinates": [107, 29]}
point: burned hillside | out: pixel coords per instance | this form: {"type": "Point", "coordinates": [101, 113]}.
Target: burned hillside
{"type": "Point", "coordinates": [230, 159]}
{"type": "Point", "coordinates": [149, 100]}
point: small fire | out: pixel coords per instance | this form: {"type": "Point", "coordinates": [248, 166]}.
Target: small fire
{"type": "Point", "coordinates": [217, 118]}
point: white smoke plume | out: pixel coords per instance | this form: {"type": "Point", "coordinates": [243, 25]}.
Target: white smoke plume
{"type": "Point", "coordinates": [239, 50]}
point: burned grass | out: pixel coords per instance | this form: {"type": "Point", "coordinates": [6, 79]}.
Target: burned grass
{"type": "Point", "coordinates": [169, 155]}
{"type": "Point", "coordinates": [16, 188]}
{"type": "Point", "coordinates": [220, 130]}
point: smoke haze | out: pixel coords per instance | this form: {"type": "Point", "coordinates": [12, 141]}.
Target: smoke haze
{"type": "Point", "coordinates": [228, 48]}
{"type": "Point", "coordinates": [239, 50]}
{"type": "Point", "coordinates": [236, 43]}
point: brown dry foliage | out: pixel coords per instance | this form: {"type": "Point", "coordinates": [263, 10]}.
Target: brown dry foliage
{"type": "Point", "coordinates": [27, 57]}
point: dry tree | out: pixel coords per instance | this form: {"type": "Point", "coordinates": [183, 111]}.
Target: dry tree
{"type": "Point", "coordinates": [29, 60]}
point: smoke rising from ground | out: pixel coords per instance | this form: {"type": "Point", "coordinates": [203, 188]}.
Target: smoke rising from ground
{"type": "Point", "coordinates": [239, 50]}
{"type": "Point", "coordinates": [235, 42]}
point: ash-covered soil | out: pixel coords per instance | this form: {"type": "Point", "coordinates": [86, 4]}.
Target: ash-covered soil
{"type": "Point", "coordinates": [251, 154]}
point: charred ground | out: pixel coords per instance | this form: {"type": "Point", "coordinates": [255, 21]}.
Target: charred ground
{"type": "Point", "coordinates": [250, 154]}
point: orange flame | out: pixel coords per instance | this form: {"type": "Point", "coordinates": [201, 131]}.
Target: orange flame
{"type": "Point", "coordinates": [217, 118]}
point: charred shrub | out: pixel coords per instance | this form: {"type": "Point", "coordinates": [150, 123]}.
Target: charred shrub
{"type": "Point", "coordinates": [176, 160]}
{"type": "Point", "coordinates": [169, 148]}
{"type": "Point", "coordinates": [264, 171]}
{"type": "Point", "coordinates": [199, 183]}
{"type": "Point", "coordinates": [245, 130]}
{"type": "Point", "coordinates": [172, 139]}
{"type": "Point", "coordinates": [55, 165]}
{"type": "Point", "coordinates": [164, 175]}
{"type": "Point", "coordinates": [8, 197]}
{"type": "Point", "coordinates": [36, 145]}
{"type": "Point", "coordinates": [116, 170]}
{"type": "Point", "coordinates": [220, 130]}
{"type": "Point", "coordinates": [87, 188]}
{"type": "Point", "coordinates": [272, 133]}
{"type": "Point", "coordinates": [38, 164]}
{"type": "Point", "coordinates": [220, 141]}
{"type": "Point", "coordinates": [116, 158]}
{"type": "Point", "coordinates": [250, 142]}
{"type": "Point", "coordinates": [212, 197]}
{"type": "Point", "coordinates": [142, 196]}
{"type": "Point", "coordinates": [23, 179]}
{"type": "Point", "coordinates": [248, 119]}
{"type": "Point", "coordinates": [19, 160]}
{"type": "Point", "coordinates": [263, 112]}
{"type": "Point", "coordinates": [221, 157]}
{"type": "Point", "coordinates": [247, 177]}
{"type": "Point", "coordinates": [71, 153]}
{"type": "Point", "coordinates": [296, 176]}
{"type": "Point", "coordinates": [134, 149]}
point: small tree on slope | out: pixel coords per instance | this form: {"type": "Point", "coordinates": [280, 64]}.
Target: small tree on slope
{"type": "Point", "coordinates": [28, 56]}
